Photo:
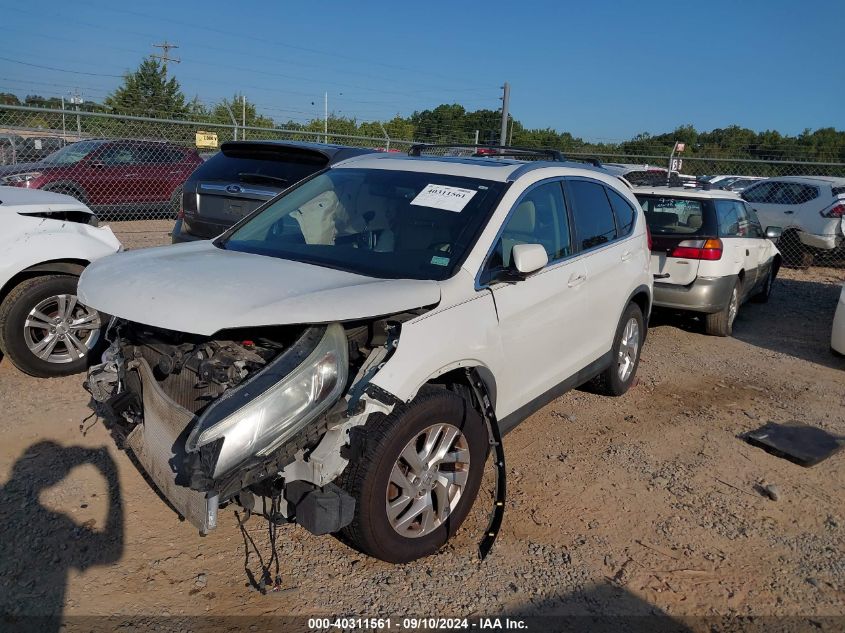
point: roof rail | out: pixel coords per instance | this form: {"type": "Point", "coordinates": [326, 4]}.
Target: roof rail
{"type": "Point", "coordinates": [492, 150]}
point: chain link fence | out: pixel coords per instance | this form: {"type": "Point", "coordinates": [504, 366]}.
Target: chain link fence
{"type": "Point", "coordinates": [133, 168]}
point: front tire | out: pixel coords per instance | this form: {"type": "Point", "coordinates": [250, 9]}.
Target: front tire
{"type": "Point", "coordinates": [418, 477]}
{"type": "Point", "coordinates": [627, 345]}
{"type": "Point", "coordinates": [721, 323]}
{"type": "Point", "coordinates": [44, 330]}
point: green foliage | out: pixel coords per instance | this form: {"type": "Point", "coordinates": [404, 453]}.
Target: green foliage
{"type": "Point", "coordinates": [148, 92]}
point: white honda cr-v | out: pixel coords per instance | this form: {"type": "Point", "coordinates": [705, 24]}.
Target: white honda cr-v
{"type": "Point", "coordinates": [346, 356]}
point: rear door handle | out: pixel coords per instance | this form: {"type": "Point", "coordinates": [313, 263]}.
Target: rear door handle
{"type": "Point", "coordinates": [790, 212]}
{"type": "Point", "coordinates": [626, 256]}
{"type": "Point", "coordinates": [577, 279]}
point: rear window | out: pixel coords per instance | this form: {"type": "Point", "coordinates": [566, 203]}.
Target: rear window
{"type": "Point", "coordinates": [275, 169]}
{"type": "Point", "coordinates": [678, 216]}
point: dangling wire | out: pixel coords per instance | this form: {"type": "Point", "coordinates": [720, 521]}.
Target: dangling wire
{"type": "Point", "coordinates": [267, 582]}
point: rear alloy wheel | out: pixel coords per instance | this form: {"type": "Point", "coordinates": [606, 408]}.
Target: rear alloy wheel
{"type": "Point", "coordinates": [721, 323]}
{"type": "Point", "coordinates": [418, 477]}
{"type": "Point", "coordinates": [45, 330]}
{"type": "Point", "coordinates": [627, 345]}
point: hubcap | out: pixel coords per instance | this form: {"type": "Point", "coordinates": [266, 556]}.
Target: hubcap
{"type": "Point", "coordinates": [733, 308]}
{"type": "Point", "coordinates": [427, 480]}
{"type": "Point", "coordinates": [61, 330]}
{"type": "Point", "coordinates": [628, 348]}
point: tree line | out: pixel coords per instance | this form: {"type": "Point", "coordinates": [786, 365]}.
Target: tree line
{"type": "Point", "coordinates": [149, 92]}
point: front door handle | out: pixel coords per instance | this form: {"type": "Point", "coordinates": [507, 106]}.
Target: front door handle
{"type": "Point", "coordinates": [577, 279]}
{"type": "Point", "coordinates": [790, 212]}
{"type": "Point", "coordinates": [626, 256]}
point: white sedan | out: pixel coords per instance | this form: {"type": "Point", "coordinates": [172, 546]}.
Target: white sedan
{"type": "Point", "coordinates": [47, 240]}
{"type": "Point", "coordinates": [837, 336]}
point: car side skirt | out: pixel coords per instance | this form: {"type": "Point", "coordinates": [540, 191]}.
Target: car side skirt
{"type": "Point", "coordinates": [512, 420]}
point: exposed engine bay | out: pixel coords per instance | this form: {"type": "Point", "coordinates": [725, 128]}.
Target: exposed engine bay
{"type": "Point", "coordinates": [246, 416]}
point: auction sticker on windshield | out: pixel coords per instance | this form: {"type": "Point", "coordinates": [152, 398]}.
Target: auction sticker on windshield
{"type": "Point", "coordinates": [443, 197]}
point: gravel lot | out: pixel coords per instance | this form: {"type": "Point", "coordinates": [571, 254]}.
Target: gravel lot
{"type": "Point", "coordinates": [647, 503]}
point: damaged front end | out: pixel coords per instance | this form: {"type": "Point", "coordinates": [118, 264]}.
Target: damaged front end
{"type": "Point", "coordinates": [237, 417]}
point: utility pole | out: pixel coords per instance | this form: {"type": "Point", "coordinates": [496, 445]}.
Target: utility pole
{"type": "Point", "coordinates": [64, 132]}
{"type": "Point", "coordinates": [243, 117]}
{"type": "Point", "coordinates": [326, 120]}
{"type": "Point", "coordinates": [165, 57]}
{"type": "Point", "coordinates": [506, 95]}
{"type": "Point", "coordinates": [76, 99]}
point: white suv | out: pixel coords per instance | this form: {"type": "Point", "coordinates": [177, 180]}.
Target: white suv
{"type": "Point", "coordinates": [709, 253]}
{"type": "Point", "coordinates": [344, 356]}
{"type": "Point", "coordinates": [809, 209]}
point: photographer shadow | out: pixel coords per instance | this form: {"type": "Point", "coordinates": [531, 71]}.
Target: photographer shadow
{"type": "Point", "coordinates": [38, 546]}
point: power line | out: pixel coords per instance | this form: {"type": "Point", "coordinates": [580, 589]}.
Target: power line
{"type": "Point", "coordinates": [165, 57]}
{"type": "Point", "coordinates": [61, 70]}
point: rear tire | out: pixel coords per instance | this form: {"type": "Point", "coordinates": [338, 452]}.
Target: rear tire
{"type": "Point", "coordinates": [721, 323]}
{"type": "Point", "coordinates": [627, 346]}
{"type": "Point", "coordinates": [388, 523]}
{"type": "Point", "coordinates": [766, 292]}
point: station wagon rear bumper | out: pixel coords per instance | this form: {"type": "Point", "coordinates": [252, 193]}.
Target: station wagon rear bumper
{"type": "Point", "coordinates": [705, 294]}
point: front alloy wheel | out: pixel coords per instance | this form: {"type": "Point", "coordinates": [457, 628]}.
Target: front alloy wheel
{"type": "Point", "coordinates": [45, 330]}
{"type": "Point", "coordinates": [427, 480]}
{"type": "Point", "coordinates": [60, 330]}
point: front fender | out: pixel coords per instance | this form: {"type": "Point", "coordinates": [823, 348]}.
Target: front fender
{"type": "Point", "coordinates": [40, 240]}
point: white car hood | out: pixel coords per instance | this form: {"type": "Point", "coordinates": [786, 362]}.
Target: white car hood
{"type": "Point", "coordinates": [201, 289]}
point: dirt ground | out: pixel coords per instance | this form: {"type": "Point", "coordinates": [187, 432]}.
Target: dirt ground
{"type": "Point", "coordinates": [649, 503]}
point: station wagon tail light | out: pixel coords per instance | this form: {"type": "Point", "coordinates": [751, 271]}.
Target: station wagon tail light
{"type": "Point", "coordinates": [710, 250]}
{"type": "Point", "coordinates": [836, 211]}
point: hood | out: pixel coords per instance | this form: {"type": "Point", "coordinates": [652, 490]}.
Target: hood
{"type": "Point", "coordinates": [19, 168]}
{"type": "Point", "coordinates": [200, 289]}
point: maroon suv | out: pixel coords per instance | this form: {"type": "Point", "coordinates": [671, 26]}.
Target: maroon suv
{"type": "Point", "coordinates": [114, 177]}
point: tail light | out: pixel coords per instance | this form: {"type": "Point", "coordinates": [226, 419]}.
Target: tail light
{"type": "Point", "coordinates": [836, 211]}
{"type": "Point", "coordinates": [650, 242]}
{"type": "Point", "coordinates": [709, 250]}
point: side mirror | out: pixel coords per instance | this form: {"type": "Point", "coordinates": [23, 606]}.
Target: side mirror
{"type": "Point", "coordinates": [773, 233]}
{"type": "Point", "coordinates": [529, 258]}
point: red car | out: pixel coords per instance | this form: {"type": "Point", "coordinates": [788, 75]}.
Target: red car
{"type": "Point", "coordinates": [113, 177]}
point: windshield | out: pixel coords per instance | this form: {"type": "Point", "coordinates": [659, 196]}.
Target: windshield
{"type": "Point", "coordinates": [677, 216]}
{"type": "Point", "coordinates": [72, 153]}
{"type": "Point", "coordinates": [381, 223]}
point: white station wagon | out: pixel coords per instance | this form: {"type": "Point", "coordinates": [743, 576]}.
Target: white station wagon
{"type": "Point", "coordinates": [709, 254]}
{"type": "Point", "coordinates": [346, 356]}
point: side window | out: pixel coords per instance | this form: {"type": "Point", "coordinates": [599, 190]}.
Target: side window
{"type": "Point", "coordinates": [733, 222]}
{"type": "Point", "coordinates": [117, 155]}
{"type": "Point", "coordinates": [539, 218]}
{"type": "Point", "coordinates": [625, 213]}
{"type": "Point", "coordinates": [754, 226]}
{"type": "Point", "coordinates": [594, 222]}
{"type": "Point", "coordinates": [806, 193]}
{"type": "Point", "coordinates": [764, 192]}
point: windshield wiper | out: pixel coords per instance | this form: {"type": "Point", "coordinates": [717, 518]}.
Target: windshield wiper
{"type": "Point", "coordinates": [248, 177]}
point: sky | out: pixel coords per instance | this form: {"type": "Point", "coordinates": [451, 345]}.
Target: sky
{"type": "Point", "coordinates": [603, 71]}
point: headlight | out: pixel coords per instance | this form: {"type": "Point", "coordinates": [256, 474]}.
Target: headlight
{"type": "Point", "coordinates": [269, 420]}
{"type": "Point", "coordinates": [17, 179]}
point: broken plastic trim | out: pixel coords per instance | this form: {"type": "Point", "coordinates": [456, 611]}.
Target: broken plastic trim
{"type": "Point", "coordinates": [498, 514]}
